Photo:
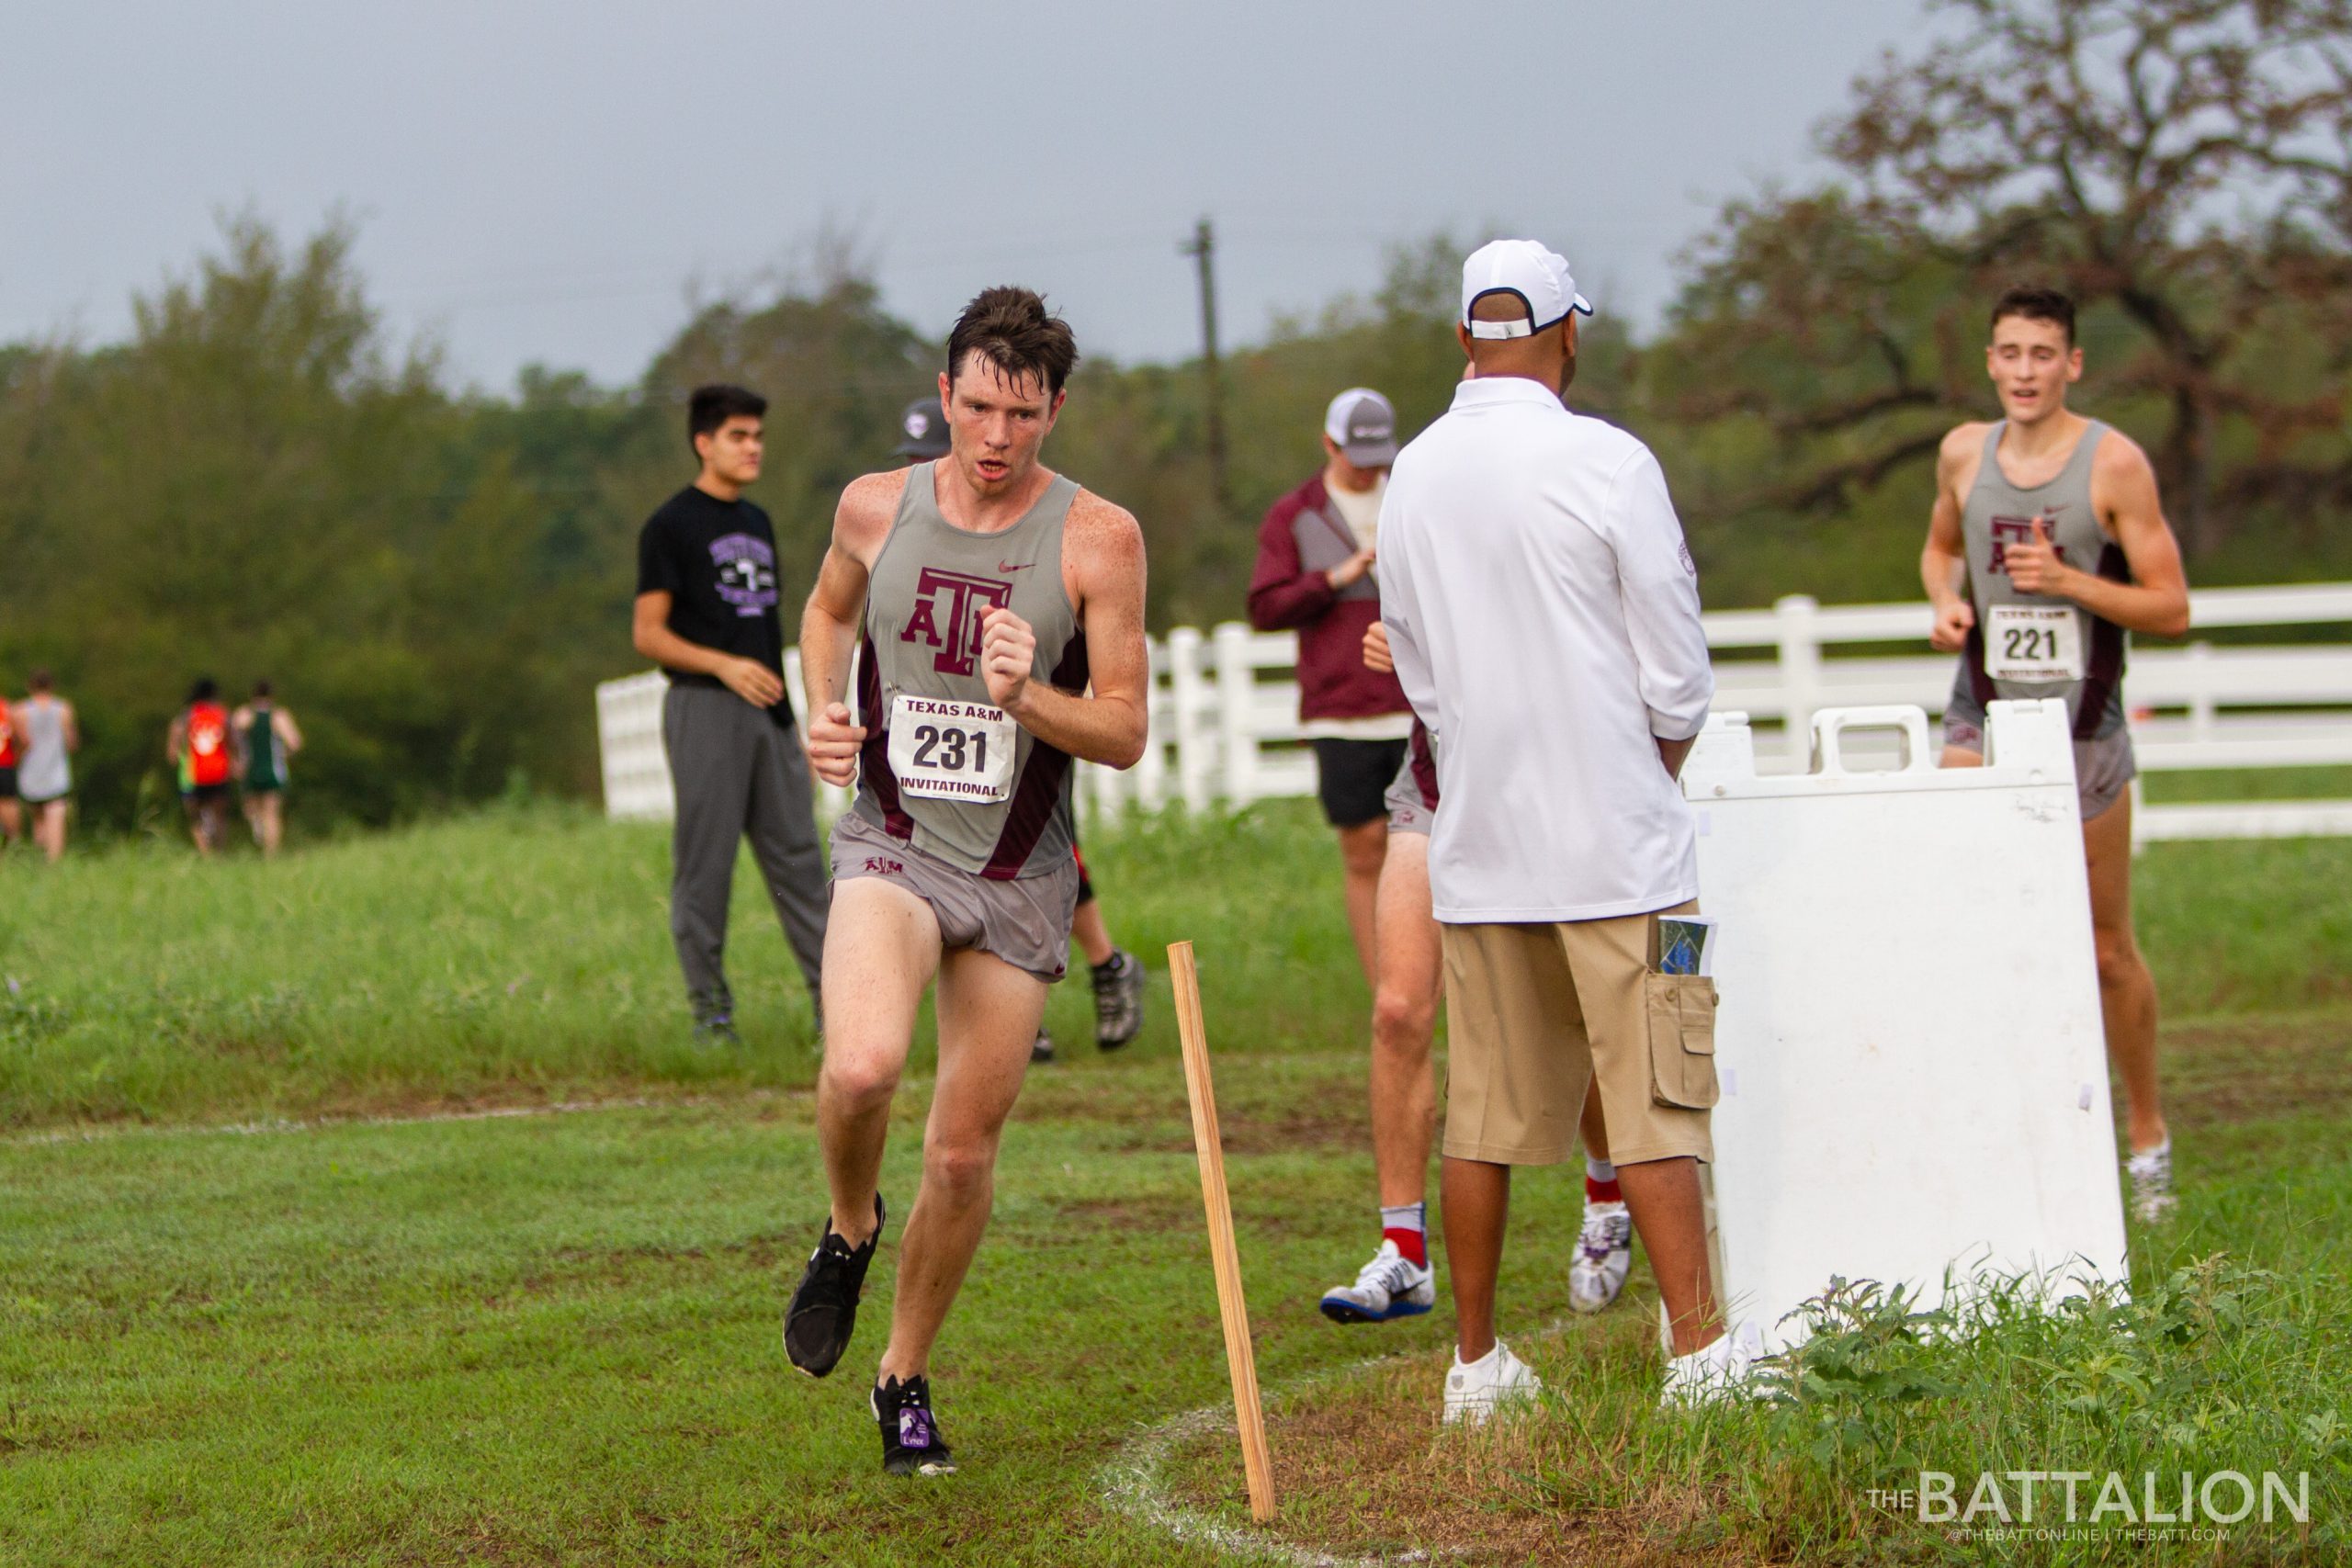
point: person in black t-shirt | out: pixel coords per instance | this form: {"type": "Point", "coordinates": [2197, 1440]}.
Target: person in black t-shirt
{"type": "Point", "coordinates": [706, 612]}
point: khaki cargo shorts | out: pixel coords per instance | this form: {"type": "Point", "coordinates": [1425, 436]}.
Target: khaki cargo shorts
{"type": "Point", "coordinates": [1024, 921]}
{"type": "Point", "coordinates": [1535, 1011]}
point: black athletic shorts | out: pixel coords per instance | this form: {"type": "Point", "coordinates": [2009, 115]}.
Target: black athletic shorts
{"type": "Point", "coordinates": [1085, 879]}
{"type": "Point", "coordinates": [1353, 778]}
{"type": "Point", "coordinates": [205, 794]}
{"type": "Point", "coordinates": [9, 783]}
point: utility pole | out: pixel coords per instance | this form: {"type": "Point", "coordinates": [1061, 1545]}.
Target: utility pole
{"type": "Point", "coordinates": [1202, 248]}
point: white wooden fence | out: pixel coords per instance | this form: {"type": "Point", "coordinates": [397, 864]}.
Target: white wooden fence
{"type": "Point", "coordinates": [1225, 727]}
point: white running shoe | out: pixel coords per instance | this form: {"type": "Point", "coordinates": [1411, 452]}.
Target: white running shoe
{"type": "Point", "coordinates": [1604, 1252]}
{"type": "Point", "coordinates": [1389, 1286]}
{"type": "Point", "coordinates": [2151, 1172]}
{"type": "Point", "coordinates": [1715, 1373]}
{"type": "Point", "coordinates": [1475, 1390]}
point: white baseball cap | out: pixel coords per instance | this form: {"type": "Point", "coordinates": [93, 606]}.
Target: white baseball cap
{"type": "Point", "coordinates": [1362, 426]}
{"type": "Point", "coordinates": [1539, 278]}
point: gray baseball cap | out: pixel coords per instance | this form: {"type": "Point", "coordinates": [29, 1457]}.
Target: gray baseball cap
{"type": "Point", "coordinates": [922, 431]}
{"type": "Point", "coordinates": [1361, 422]}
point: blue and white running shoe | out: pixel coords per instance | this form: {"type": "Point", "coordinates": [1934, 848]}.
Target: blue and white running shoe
{"type": "Point", "coordinates": [1389, 1286]}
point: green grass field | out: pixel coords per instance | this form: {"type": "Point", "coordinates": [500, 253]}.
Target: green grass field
{"type": "Point", "coordinates": [251, 1312]}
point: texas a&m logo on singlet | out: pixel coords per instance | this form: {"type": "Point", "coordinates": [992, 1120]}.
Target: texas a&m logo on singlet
{"type": "Point", "coordinates": [948, 607]}
{"type": "Point", "coordinates": [2011, 531]}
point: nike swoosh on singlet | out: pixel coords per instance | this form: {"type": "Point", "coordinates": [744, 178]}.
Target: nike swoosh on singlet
{"type": "Point", "coordinates": [1024, 566]}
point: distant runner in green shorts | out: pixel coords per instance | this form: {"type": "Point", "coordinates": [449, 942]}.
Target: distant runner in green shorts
{"type": "Point", "coordinates": [266, 738]}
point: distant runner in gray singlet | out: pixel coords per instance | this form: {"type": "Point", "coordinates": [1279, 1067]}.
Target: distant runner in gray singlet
{"type": "Point", "coordinates": [45, 774]}
{"type": "Point", "coordinates": [2025, 645]}
{"type": "Point", "coordinates": [942, 768]}
{"type": "Point", "coordinates": [2034, 572]}
{"type": "Point", "coordinates": [48, 732]}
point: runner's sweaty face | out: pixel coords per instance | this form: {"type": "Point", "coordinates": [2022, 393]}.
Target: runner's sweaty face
{"type": "Point", "coordinates": [996, 423]}
{"type": "Point", "coordinates": [2031, 365]}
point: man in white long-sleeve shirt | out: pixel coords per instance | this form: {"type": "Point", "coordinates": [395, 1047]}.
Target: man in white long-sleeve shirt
{"type": "Point", "coordinates": [1544, 613]}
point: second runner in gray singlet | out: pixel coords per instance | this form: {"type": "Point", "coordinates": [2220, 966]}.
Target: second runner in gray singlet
{"type": "Point", "coordinates": [942, 767]}
{"type": "Point", "coordinates": [2027, 645]}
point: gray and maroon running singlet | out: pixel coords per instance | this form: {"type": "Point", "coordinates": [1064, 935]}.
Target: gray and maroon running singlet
{"type": "Point", "coordinates": [2025, 645]}
{"type": "Point", "coordinates": [943, 767]}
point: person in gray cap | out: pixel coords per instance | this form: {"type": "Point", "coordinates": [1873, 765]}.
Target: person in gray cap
{"type": "Point", "coordinates": [1117, 974]}
{"type": "Point", "coordinates": [1316, 554]}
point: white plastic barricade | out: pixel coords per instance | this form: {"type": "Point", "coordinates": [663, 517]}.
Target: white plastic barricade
{"type": "Point", "coordinates": [1912, 1067]}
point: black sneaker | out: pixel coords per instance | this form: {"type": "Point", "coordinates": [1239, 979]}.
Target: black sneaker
{"type": "Point", "coordinates": [823, 1313]}
{"type": "Point", "coordinates": [1118, 998]}
{"type": "Point", "coordinates": [910, 1441]}
{"type": "Point", "coordinates": [714, 1018]}
{"type": "Point", "coordinates": [1042, 1048]}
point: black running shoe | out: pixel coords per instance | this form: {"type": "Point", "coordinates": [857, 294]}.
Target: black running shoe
{"type": "Point", "coordinates": [1118, 999]}
{"type": "Point", "coordinates": [910, 1441]}
{"type": "Point", "coordinates": [823, 1313]}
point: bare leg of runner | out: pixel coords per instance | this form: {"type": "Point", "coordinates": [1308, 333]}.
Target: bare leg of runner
{"type": "Point", "coordinates": [1409, 965]}
{"type": "Point", "coordinates": [269, 824]}
{"type": "Point", "coordinates": [2127, 992]}
{"type": "Point", "coordinates": [1362, 848]}
{"type": "Point", "coordinates": [49, 827]}
{"type": "Point", "coordinates": [883, 942]}
{"type": "Point", "coordinates": [11, 825]}
{"type": "Point", "coordinates": [987, 1016]}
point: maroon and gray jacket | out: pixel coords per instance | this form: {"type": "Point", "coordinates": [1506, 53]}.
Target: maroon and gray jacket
{"type": "Point", "coordinates": [1301, 538]}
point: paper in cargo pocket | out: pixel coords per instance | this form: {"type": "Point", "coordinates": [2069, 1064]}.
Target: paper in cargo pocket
{"type": "Point", "coordinates": [1681, 1011]}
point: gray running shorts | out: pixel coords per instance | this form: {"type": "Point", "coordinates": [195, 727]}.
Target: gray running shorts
{"type": "Point", "coordinates": [1024, 921]}
{"type": "Point", "coordinates": [1405, 812]}
{"type": "Point", "coordinates": [2104, 767]}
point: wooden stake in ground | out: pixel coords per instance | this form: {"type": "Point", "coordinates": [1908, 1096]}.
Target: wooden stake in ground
{"type": "Point", "coordinates": [1247, 1413]}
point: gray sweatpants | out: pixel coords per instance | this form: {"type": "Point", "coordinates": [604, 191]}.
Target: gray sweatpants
{"type": "Point", "coordinates": [737, 771]}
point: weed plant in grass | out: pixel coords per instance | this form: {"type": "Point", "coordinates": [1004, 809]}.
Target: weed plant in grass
{"type": "Point", "coordinates": [2216, 1361]}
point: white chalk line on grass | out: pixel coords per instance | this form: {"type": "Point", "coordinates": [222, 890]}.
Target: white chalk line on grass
{"type": "Point", "coordinates": [91, 1135]}
{"type": "Point", "coordinates": [1131, 1481]}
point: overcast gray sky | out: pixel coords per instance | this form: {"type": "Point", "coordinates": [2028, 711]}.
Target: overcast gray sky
{"type": "Point", "coordinates": [543, 181]}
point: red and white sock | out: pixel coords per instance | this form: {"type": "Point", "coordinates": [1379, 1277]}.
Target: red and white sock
{"type": "Point", "coordinates": [1407, 1225]}
{"type": "Point", "coordinates": [1600, 1182]}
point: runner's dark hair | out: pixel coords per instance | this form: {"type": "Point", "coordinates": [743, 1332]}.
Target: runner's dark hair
{"type": "Point", "coordinates": [715, 404]}
{"type": "Point", "coordinates": [1010, 328]}
{"type": "Point", "coordinates": [262, 688]}
{"type": "Point", "coordinates": [39, 681]}
{"type": "Point", "coordinates": [205, 690]}
{"type": "Point", "coordinates": [2036, 303]}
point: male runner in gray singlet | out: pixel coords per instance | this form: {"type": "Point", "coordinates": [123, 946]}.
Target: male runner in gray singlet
{"type": "Point", "coordinates": [983, 593]}
{"type": "Point", "coordinates": [47, 733]}
{"type": "Point", "coordinates": [2047, 543]}
{"type": "Point", "coordinates": [1117, 974]}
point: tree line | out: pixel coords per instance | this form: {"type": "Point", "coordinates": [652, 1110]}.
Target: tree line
{"type": "Point", "coordinates": [259, 482]}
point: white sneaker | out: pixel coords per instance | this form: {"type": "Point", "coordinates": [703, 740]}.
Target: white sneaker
{"type": "Point", "coordinates": [1389, 1286]}
{"type": "Point", "coordinates": [2151, 1172]}
{"type": "Point", "coordinates": [1604, 1252]}
{"type": "Point", "coordinates": [1715, 1373]}
{"type": "Point", "coordinates": [1475, 1390]}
